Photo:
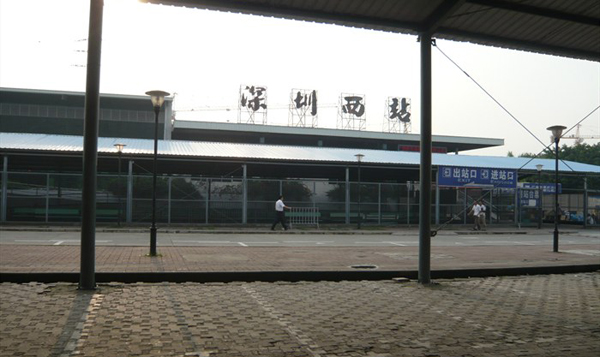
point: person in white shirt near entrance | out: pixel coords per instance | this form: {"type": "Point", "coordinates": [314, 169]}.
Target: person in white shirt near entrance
{"type": "Point", "coordinates": [475, 211]}
{"type": "Point", "coordinates": [280, 208]}
{"type": "Point", "coordinates": [482, 223]}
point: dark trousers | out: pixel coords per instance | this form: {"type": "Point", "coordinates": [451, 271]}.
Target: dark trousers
{"type": "Point", "coordinates": [280, 218]}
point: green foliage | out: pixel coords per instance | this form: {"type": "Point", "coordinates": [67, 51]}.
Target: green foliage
{"type": "Point", "coordinates": [180, 188]}
{"type": "Point", "coordinates": [582, 153]}
{"type": "Point", "coordinates": [368, 192]}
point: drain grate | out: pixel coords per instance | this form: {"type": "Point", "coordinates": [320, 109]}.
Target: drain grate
{"type": "Point", "coordinates": [363, 266]}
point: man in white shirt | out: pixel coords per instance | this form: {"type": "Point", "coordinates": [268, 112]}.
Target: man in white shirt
{"type": "Point", "coordinates": [280, 211]}
{"type": "Point", "coordinates": [482, 223]}
{"type": "Point", "coordinates": [475, 211]}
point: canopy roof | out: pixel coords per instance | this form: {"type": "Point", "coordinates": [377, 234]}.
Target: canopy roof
{"type": "Point", "coordinates": [556, 27]}
{"type": "Point", "coordinates": [57, 144]}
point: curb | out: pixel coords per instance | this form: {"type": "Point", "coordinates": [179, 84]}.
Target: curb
{"type": "Point", "coordinates": [291, 276]}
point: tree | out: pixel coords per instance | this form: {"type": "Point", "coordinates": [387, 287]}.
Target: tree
{"type": "Point", "coordinates": [582, 153]}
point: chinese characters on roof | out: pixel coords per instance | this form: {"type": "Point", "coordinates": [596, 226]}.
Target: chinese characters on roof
{"type": "Point", "coordinates": [253, 104]}
{"type": "Point", "coordinates": [398, 112]}
{"type": "Point", "coordinates": [303, 109]}
{"type": "Point", "coordinates": [352, 112]}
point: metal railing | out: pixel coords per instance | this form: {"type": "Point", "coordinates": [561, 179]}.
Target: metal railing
{"type": "Point", "coordinates": [303, 215]}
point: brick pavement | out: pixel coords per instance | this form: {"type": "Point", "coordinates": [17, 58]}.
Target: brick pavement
{"type": "Point", "coordinates": [32, 259]}
{"type": "Point", "coordinates": [544, 315]}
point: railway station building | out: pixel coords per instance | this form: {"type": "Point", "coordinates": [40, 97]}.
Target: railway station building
{"type": "Point", "coordinates": [232, 173]}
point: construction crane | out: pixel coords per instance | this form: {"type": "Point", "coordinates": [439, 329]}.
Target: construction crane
{"type": "Point", "coordinates": [578, 137]}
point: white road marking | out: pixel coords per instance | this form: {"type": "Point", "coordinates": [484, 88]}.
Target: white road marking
{"type": "Point", "coordinates": [242, 244]}
{"type": "Point", "coordinates": [204, 241]}
{"type": "Point", "coordinates": [56, 242]}
{"type": "Point", "coordinates": [395, 243]}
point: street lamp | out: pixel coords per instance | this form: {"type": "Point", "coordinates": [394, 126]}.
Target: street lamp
{"type": "Point", "coordinates": [158, 98]}
{"type": "Point", "coordinates": [539, 170]}
{"type": "Point", "coordinates": [119, 148]}
{"type": "Point", "coordinates": [556, 134]}
{"type": "Point", "coordinates": [359, 158]}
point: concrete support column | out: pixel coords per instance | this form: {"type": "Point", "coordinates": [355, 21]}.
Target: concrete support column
{"type": "Point", "coordinates": [425, 168]}
{"type": "Point", "coordinates": [87, 279]}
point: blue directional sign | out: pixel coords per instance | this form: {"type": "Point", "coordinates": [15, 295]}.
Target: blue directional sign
{"type": "Point", "coordinates": [457, 176]}
{"type": "Point", "coordinates": [547, 188]}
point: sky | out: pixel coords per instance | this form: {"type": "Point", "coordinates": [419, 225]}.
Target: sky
{"type": "Point", "coordinates": [203, 57]}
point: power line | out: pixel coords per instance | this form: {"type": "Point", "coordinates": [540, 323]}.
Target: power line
{"type": "Point", "coordinates": [491, 96]}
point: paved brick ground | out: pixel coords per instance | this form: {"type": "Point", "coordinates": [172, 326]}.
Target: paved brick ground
{"type": "Point", "coordinates": [550, 315]}
{"type": "Point", "coordinates": [29, 259]}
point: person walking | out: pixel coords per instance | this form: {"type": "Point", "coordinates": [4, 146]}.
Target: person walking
{"type": "Point", "coordinates": [280, 208]}
{"type": "Point", "coordinates": [475, 211]}
{"type": "Point", "coordinates": [482, 223]}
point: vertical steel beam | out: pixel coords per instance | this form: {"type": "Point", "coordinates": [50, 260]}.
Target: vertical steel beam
{"type": "Point", "coordinates": [4, 204]}
{"type": "Point", "coordinates": [379, 204]}
{"type": "Point", "coordinates": [466, 207]}
{"type": "Point", "coordinates": [129, 204]}
{"type": "Point", "coordinates": [539, 200]}
{"type": "Point", "coordinates": [87, 279]}
{"type": "Point", "coordinates": [425, 168]}
{"type": "Point", "coordinates": [492, 206]}
{"type": "Point", "coordinates": [169, 191]}
{"type": "Point", "coordinates": [153, 229]}
{"type": "Point", "coordinates": [517, 208]}
{"type": "Point", "coordinates": [47, 210]}
{"type": "Point", "coordinates": [347, 195]}
{"type": "Point", "coordinates": [408, 191]}
{"type": "Point", "coordinates": [585, 202]}
{"type": "Point", "coordinates": [437, 203]}
{"type": "Point", "coordinates": [556, 206]}
{"type": "Point", "coordinates": [207, 201]}
{"type": "Point", "coordinates": [245, 194]}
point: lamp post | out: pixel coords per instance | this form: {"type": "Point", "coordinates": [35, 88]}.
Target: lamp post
{"type": "Point", "coordinates": [359, 158]}
{"type": "Point", "coordinates": [539, 170]}
{"type": "Point", "coordinates": [158, 98]}
{"type": "Point", "coordinates": [556, 134]}
{"type": "Point", "coordinates": [119, 148]}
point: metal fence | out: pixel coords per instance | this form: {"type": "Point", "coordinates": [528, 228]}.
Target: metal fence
{"type": "Point", "coordinates": [304, 216]}
{"type": "Point", "coordinates": [56, 197]}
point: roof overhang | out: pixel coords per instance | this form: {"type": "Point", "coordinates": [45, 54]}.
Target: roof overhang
{"type": "Point", "coordinates": [32, 144]}
{"type": "Point", "coordinates": [561, 28]}
{"type": "Point", "coordinates": [218, 130]}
